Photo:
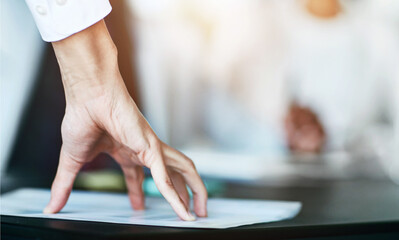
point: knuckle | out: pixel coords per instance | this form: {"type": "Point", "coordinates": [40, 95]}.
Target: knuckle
{"type": "Point", "coordinates": [189, 167]}
{"type": "Point", "coordinates": [145, 144]}
{"type": "Point", "coordinates": [142, 145]}
{"type": "Point", "coordinates": [151, 152]}
{"type": "Point", "coordinates": [148, 157]}
{"type": "Point", "coordinates": [190, 164]}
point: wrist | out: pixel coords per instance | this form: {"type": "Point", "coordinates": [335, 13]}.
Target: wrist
{"type": "Point", "coordinates": [88, 63]}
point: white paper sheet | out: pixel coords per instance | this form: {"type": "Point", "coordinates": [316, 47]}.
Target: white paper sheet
{"type": "Point", "coordinates": [115, 208]}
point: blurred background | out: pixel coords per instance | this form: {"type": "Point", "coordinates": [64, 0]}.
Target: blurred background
{"type": "Point", "coordinates": [264, 92]}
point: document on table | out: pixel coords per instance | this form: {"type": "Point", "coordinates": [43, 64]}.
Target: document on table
{"type": "Point", "coordinates": [115, 208]}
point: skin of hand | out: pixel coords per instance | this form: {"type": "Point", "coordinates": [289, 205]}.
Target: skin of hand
{"type": "Point", "coordinates": [304, 131]}
{"type": "Point", "coordinates": [101, 116]}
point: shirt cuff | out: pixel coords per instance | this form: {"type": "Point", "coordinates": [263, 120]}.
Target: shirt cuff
{"type": "Point", "coordinates": [59, 19]}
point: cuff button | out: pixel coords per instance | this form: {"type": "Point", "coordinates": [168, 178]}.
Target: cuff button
{"type": "Point", "coordinates": [61, 2]}
{"type": "Point", "coordinates": [41, 10]}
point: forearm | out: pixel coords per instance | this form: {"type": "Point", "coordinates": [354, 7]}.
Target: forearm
{"type": "Point", "coordinates": [88, 63]}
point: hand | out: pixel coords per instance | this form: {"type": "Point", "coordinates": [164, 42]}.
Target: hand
{"type": "Point", "coordinates": [304, 130]}
{"type": "Point", "coordinates": [101, 117]}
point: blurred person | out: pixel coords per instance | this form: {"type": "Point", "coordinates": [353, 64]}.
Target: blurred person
{"type": "Point", "coordinates": [340, 68]}
{"type": "Point", "coordinates": [101, 116]}
{"type": "Point", "coordinates": [228, 81]}
{"type": "Point", "coordinates": [256, 82]}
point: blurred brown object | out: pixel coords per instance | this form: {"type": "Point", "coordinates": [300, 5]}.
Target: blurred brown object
{"type": "Point", "coordinates": [304, 131]}
{"type": "Point", "coordinates": [120, 27]}
{"type": "Point", "coordinates": [323, 8]}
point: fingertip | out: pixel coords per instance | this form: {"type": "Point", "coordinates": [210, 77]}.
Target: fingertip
{"type": "Point", "coordinates": [190, 217]}
{"type": "Point", "coordinates": [47, 210]}
{"type": "Point", "coordinates": [201, 212]}
{"type": "Point", "coordinates": [50, 209]}
{"type": "Point", "coordinates": [137, 202]}
{"type": "Point", "coordinates": [139, 207]}
{"type": "Point", "coordinates": [187, 216]}
{"type": "Point", "coordinates": [200, 203]}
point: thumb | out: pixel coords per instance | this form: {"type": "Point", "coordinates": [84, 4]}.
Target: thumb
{"type": "Point", "coordinates": [63, 182]}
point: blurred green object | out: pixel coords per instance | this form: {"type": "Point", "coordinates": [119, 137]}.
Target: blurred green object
{"type": "Point", "coordinates": [112, 180]}
{"type": "Point", "coordinates": [104, 180]}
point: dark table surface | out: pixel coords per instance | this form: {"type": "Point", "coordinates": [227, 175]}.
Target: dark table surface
{"type": "Point", "coordinates": [334, 210]}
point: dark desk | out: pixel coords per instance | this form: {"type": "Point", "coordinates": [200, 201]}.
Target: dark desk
{"type": "Point", "coordinates": [340, 210]}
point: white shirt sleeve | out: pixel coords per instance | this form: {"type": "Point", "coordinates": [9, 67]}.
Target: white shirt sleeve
{"type": "Point", "coordinates": [59, 19]}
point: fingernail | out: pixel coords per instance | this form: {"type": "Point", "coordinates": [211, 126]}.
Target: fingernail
{"type": "Point", "coordinates": [190, 217]}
